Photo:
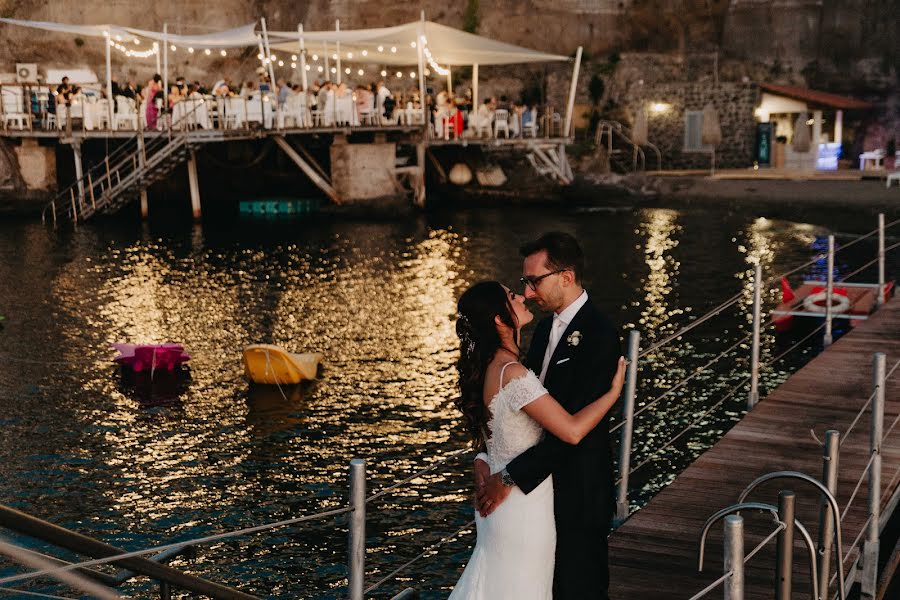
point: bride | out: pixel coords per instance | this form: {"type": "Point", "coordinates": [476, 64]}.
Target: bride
{"type": "Point", "coordinates": [506, 409]}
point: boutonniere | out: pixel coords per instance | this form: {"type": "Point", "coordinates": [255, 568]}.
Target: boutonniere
{"type": "Point", "coordinates": [574, 338]}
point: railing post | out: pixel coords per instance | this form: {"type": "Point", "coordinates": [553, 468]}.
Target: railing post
{"type": "Point", "coordinates": [880, 300]}
{"type": "Point", "coordinates": [74, 206]}
{"type": "Point", "coordinates": [829, 292]}
{"type": "Point", "coordinates": [165, 591]}
{"type": "Point", "coordinates": [869, 581]}
{"type": "Point", "coordinates": [830, 456]}
{"type": "Point", "coordinates": [357, 545]}
{"type": "Point", "coordinates": [53, 205]}
{"type": "Point", "coordinates": [784, 554]}
{"type": "Point", "coordinates": [734, 557]}
{"type": "Point", "coordinates": [634, 342]}
{"type": "Point", "coordinates": [753, 396]}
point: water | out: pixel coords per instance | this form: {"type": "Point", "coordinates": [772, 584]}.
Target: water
{"type": "Point", "coordinates": [140, 463]}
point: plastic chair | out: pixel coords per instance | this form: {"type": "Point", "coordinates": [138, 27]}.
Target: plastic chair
{"type": "Point", "coordinates": [501, 121]}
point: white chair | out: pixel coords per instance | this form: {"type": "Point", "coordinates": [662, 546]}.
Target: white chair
{"type": "Point", "coordinates": [875, 156]}
{"type": "Point", "coordinates": [14, 113]}
{"type": "Point", "coordinates": [531, 127]}
{"type": "Point", "coordinates": [501, 121]}
{"type": "Point", "coordinates": [234, 109]}
{"type": "Point", "coordinates": [126, 113]}
{"type": "Point", "coordinates": [344, 111]}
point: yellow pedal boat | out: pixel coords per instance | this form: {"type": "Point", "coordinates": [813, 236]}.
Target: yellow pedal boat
{"type": "Point", "coordinates": [265, 363]}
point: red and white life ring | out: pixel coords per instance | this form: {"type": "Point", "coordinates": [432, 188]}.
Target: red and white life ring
{"type": "Point", "coordinates": [817, 303]}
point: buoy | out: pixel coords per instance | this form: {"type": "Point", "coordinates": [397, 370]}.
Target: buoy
{"type": "Point", "coordinates": [272, 365]}
{"type": "Point", "coordinates": [150, 357]}
{"type": "Point", "coordinates": [460, 174]}
{"type": "Point", "coordinates": [818, 303]}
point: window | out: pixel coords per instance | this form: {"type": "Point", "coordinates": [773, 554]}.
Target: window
{"type": "Point", "coordinates": [693, 126]}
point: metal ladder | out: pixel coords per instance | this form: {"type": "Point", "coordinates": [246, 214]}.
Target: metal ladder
{"type": "Point", "coordinates": [619, 144]}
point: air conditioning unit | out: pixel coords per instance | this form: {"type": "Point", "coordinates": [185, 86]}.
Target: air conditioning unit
{"type": "Point", "coordinates": [26, 73]}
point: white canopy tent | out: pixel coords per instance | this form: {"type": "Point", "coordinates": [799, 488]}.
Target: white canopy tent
{"type": "Point", "coordinates": [415, 43]}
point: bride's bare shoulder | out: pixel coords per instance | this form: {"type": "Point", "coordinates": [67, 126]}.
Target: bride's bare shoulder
{"type": "Point", "coordinates": [513, 371]}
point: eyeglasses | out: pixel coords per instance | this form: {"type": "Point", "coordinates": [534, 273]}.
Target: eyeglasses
{"type": "Point", "coordinates": [533, 282]}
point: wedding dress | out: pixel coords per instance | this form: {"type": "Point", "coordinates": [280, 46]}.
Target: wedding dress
{"type": "Point", "coordinates": [514, 552]}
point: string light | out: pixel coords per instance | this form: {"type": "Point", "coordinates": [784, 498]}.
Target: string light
{"type": "Point", "coordinates": [259, 56]}
{"type": "Point", "coordinates": [412, 74]}
{"type": "Point", "coordinates": [207, 51]}
{"type": "Point", "coordinates": [412, 44]}
{"type": "Point", "coordinates": [294, 57]}
{"type": "Point", "coordinates": [394, 49]}
{"type": "Point", "coordinates": [334, 56]}
{"type": "Point", "coordinates": [360, 72]}
{"type": "Point", "coordinates": [191, 50]}
{"type": "Point", "coordinates": [399, 74]}
{"type": "Point", "coordinates": [137, 42]}
{"type": "Point", "coordinates": [383, 73]}
{"type": "Point", "coordinates": [280, 63]}
{"type": "Point", "coordinates": [315, 57]}
{"type": "Point", "coordinates": [293, 65]}
{"type": "Point", "coordinates": [381, 48]}
{"type": "Point", "coordinates": [172, 47]}
{"type": "Point", "coordinates": [349, 55]}
{"type": "Point", "coordinates": [430, 59]}
{"type": "Point", "coordinates": [321, 69]}
{"type": "Point", "coordinates": [347, 70]}
{"type": "Point", "coordinates": [307, 67]}
{"type": "Point", "coordinates": [223, 53]}
{"type": "Point", "coordinates": [365, 52]}
{"type": "Point", "coordinates": [333, 70]}
{"type": "Point", "coordinates": [274, 57]}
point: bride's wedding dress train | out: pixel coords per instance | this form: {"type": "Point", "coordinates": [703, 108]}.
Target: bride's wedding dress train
{"type": "Point", "coordinates": [514, 553]}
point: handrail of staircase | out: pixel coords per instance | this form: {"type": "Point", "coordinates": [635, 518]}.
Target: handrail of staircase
{"type": "Point", "coordinates": [626, 134]}
{"type": "Point", "coordinates": [105, 168]}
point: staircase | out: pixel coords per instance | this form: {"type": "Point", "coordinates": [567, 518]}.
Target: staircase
{"type": "Point", "coordinates": [624, 155]}
{"type": "Point", "coordinates": [122, 176]}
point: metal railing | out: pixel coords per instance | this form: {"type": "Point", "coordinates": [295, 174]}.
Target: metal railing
{"type": "Point", "coordinates": [865, 569]}
{"type": "Point", "coordinates": [612, 130]}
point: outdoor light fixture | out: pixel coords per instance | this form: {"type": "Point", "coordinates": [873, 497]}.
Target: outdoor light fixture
{"type": "Point", "coordinates": [399, 74]}
{"type": "Point", "coordinates": [412, 74]}
{"type": "Point", "coordinates": [394, 49]}
{"type": "Point", "coordinates": [412, 44]}
{"type": "Point", "coordinates": [321, 69]}
{"type": "Point", "coordinates": [349, 55]}
{"type": "Point", "coordinates": [118, 38]}
{"type": "Point", "coordinates": [280, 63]}
{"type": "Point", "coordinates": [294, 57]}
{"type": "Point", "coordinates": [191, 50]}
{"type": "Point", "coordinates": [293, 65]}
{"type": "Point", "coordinates": [381, 48]}
{"type": "Point", "coordinates": [137, 42]}
{"type": "Point", "coordinates": [274, 57]}
{"type": "Point", "coordinates": [334, 56]}
{"type": "Point", "coordinates": [383, 73]}
{"type": "Point", "coordinates": [172, 47]}
{"type": "Point", "coordinates": [224, 53]}
{"type": "Point", "coordinates": [365, 52]}
{"type": "Point", "coordinates": [360, 72]}
{"type": "Point", "coordinates": [207, 51]}
{"type": "Point", "coordinates": [660, 107]}
{"type": "Point", "coordinates": [307, 67]}
{"type": "Point", "coordinates": [347, 70]}
{"type": "Point", "coordinates": [315, 57]}
{"type": "Point", "coordinates": [333, 70]}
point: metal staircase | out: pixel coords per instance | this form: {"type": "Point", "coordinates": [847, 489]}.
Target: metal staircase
{"type": "Point", "coordinates": [121, 176]}
{"type": "Point", "coordinates": [623, 153]}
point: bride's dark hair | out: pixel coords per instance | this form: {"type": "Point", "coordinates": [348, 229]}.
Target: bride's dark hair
{"type": "Point", "coordinates": [479, 342]}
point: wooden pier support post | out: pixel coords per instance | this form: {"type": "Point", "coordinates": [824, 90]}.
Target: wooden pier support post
{"type": "Point", "coordinates": [357, 539]}
{"type": "Point", "coordinates": [829, 293]}
{"type": "Point", "coordinates": [142, 158]}
{"type": "Point", "coordinates": [420, 178]}
{"type": "Point", "coordinates": [753, 396]}
{"type": "Point", "coordinates": [195, 184]}
{"type": "Point", "coordinates": [634, 342]}
{"type": "Point", "coordinates": [79, 171]}
{"type": "Point", "coordinates": [830, 458]}
{"type": "Point", "coordinates": [734, 557]}
{"type": "Point", "coordinates": [784, 554]}
{"type": "Point", "coordinates": [869, 581]}
{"type": "Point", "coordinates": [880, 299]}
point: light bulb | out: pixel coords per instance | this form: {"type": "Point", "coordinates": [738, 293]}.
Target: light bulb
{"type": "Point", "coordinates": [207, 51]}
{"type": "Point", "coordinates": [223, 53]}
{"type": "Point", "coordinates": [307, 67]}
{"type": "Point", "coordinates": [191, 50]}
{"type": "Point", "coordinates": [172, 47]}
{"type": "Point", "coordinates": [321, 69]}
{"type": "Point", "coordinates": [294, 57]}
{"type": "Point", "coordinates": [137, 42]}
{"type": "Point", "coordinates": [349, 55]}
{"type": "Point", "coordinates": [360, 72]}
{"type": "Point", "coordinates": [334, 56]}
{"type": "Point", "coordinates": [347, 70]}
{"type": "Point", "coordinates": [280, 63]}
{"type": "Point", "coordinates": [259, 56]}
{"type": "Point", "coordinates": [381, 48]}
{"type": "Point", "coordinates": [365, 52]}
{"type": "Point", "coordinates": [333, 70]}
{"type": "Point", "coordinates": [412, 44]}
{"type": "Point", "coordinates": [315, 57]}
{"type": "Point", "coordinates": [399, 74]}
{"type": "Point", "coordinates": [412, 74]}
{"type": "Point", "coordinates": [293, 65]}
{"type": "Point", "coordinates": [383, 73]}
{"type": "Point", "coordinates": [394, 49]}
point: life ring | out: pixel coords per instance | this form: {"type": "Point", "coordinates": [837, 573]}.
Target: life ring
{"type": "Point", "coordinates": [817, 303]}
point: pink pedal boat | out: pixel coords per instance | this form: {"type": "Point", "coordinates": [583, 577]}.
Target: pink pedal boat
{"type": "Point", "coordinates": [140, 357]}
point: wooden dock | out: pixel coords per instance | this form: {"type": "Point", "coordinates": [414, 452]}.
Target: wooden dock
{"type": "Point", "coordinates": [653, 555]}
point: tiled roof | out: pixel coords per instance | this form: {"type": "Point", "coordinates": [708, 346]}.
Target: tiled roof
{"type": "Point", "coordinates": [816, 97]}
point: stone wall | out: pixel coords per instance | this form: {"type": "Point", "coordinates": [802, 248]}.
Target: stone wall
{"type": "Point", "coordinates": [734, 103]}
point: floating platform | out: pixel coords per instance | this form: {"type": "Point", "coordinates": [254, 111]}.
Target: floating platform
{"type": "Point", "coordinates": [279, 207]}
{"type": "Point", "coordinates": [272, 365]}
{"type": "Point", "coordinates": [853, 301]}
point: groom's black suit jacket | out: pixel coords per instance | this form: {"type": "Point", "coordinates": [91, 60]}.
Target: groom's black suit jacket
{"type": "Point", "coordinates": [583, 480]}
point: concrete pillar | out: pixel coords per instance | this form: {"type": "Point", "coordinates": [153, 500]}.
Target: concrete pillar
{"type": "Point", "coordinates": [420, 180]}
{"type": "Point", "coordinates": [195, 185]}
{"type": "Point", "coordinates": [816, 137]}
{"type": "Point", "coordinates": [79, 172]}
{"type": "Point", "coordinates": [145, 205]}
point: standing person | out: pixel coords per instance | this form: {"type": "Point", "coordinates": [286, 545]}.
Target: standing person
{"type": "Point", "coordinates": [576, 354]}
{"type": "Point", "coordinates": [153, 88]}
{"type": "Point", "coordinates": [504, 408]}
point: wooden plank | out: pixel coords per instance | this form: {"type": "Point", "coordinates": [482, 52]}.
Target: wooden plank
{"type": "Point", "coordinates": [653, 554]}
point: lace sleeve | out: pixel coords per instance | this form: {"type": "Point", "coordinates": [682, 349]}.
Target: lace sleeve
{"type": "Point", "coordinates": [524, 390]}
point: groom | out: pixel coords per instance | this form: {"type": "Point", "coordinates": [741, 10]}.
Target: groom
{"type": "Point", "coordinates": [576, 353]}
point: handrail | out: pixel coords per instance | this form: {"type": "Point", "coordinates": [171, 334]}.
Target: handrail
{"type": "Point", "coordinates": [617, 127]}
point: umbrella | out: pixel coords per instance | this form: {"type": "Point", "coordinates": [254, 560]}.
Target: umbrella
{"type": "Point", "coordinates": [801, 142]}
{"type": "Point", "coordinates": [711, 132]}
{"type": "Point", "coordinates": [639, 133]}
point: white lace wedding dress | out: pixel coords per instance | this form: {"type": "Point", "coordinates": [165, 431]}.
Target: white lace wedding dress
{"type": "Point", "coordinates": [516, 545]}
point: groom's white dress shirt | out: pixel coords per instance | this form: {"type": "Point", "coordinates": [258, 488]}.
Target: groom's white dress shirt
{"type": "Point", "coordinates": [561, 320]}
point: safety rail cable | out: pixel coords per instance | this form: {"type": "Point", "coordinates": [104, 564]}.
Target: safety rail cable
{"type": "Point", "coordinates": [866, 406]}
{"type": "Point", "coordinates": [416, 475]}
{"type": "Point", "coordinates": [862, 477]}
{"type": "Point", "coordinates": [681, 383]}
{"type": "Point", "coordinates": [870, 263]}
{"type": "Point", "coordinates": [752, 553]}
{"type": "Point", "coordinates": [430, 548]}
{"type": "Point", "coordinates": [716, 310]}
{"type": "Point", "coordinates": [897, 419]}
{"type": "Point", "coordinates": [720, 402]}
{"type": "Point", "coordinates": [849, 551]}
{"type": "Point", "coordinates": [192, 542]}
